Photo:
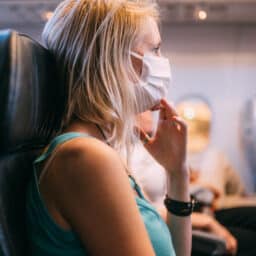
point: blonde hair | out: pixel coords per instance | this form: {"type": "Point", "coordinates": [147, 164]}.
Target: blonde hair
{"type": "Point", "coordinates": [91, 40]}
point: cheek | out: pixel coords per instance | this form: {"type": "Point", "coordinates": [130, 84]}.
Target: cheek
{"type": "Point", "coordinates": [137, 65]}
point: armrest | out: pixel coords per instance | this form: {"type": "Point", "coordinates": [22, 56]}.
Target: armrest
{"type": "Point", "coordinates": [203, 242]}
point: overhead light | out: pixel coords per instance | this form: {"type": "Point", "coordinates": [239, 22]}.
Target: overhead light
{"type": "Point", "coordinates": [201, 12]}
{"type": "Point", "coordinates": [202, 15]}
{"type": "Point", "coordinates": [46, 15]}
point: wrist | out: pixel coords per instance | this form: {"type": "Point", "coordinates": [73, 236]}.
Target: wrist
{"type": "Point", "coordinates": [181, 172]}
{"type": "Point", "coordinates": [178, 187]}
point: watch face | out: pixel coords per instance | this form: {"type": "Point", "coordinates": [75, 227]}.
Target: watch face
{"type": "Point", "coordinates": [204, 196]}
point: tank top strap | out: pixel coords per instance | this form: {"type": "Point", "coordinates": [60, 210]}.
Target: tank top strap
{"type": "Point", "coordinates": [57, 141]}
{"type": "Point", "coordinates": [135, 185]}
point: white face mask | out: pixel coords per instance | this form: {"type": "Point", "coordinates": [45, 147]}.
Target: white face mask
{"type": "Point", "coordinates": [154, 81]}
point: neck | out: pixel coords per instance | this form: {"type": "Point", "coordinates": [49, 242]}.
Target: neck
{"type": "Point", "coordinates": [86, 127]}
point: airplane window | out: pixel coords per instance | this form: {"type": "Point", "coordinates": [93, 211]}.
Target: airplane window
{"type": "Point", "coordinates": [197, 114]}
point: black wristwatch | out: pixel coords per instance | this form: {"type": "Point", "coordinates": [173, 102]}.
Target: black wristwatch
{"type": "Point", "coordinates": [179, 208]}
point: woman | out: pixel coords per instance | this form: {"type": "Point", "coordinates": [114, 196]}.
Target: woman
{"type": "Point", "coordinates": [82, 200]}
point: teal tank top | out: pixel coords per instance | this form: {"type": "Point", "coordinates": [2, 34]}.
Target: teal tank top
{"type": "Point", "coordinates": [47, 238]}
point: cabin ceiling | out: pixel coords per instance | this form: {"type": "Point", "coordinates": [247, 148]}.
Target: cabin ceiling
{"type": "Point", "coordinates": [36, 12]}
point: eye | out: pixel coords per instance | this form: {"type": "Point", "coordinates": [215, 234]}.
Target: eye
{"type": "Point", "coordinates": [156, 50]}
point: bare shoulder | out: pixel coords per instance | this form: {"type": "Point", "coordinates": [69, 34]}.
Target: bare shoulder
{"type": "Point", "coordinates": [91, 190]}
{"type": "Point", "coordinates": [85, 149]}
{"type": "Point", "coordinates": [90, 158]}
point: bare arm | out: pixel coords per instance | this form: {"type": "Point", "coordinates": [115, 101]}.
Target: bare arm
{"type": "Point", "coordinates": [168, 147]}
{"type": "Point", "coordinates": [177, 188]}
{"type": "Point", "coordinates": [95, 197]}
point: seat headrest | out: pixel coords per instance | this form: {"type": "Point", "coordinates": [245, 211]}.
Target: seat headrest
{"type": "Point", "coordinates": [32, 99]}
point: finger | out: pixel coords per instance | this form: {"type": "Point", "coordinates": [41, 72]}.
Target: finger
{"type": "Point", "coordinates": [231, 244]}
{"type": "Point", "coordinates": [156, 107]}
{"type": "Point", "coordinates": [169, 109]}
{"type": "Point", "coordinates": [162, 114]}
{"type": "Point", "coordinates": [231, 249]}
{"type": "Point", "coordinates": [174, 125]}
{"type": "Point", "coordinates": [180, 123]}
{"type": "Point", "coordinates": [166, 110]}
{"type": "Point", "coordinates": [144, 137]}
{"type": "Point", "coordinates": [228, 245]}
{"type": "Point", "coordinates": [180, 120]}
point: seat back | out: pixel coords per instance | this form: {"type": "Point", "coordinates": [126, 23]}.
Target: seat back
{"type": "Point", "coordinates": [31, 107]}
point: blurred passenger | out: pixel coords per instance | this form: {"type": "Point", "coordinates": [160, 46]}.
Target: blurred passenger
{"type": "Point", "coordinates": [212, 166]}
{"type": "Point", "coordinates": [237, 226]}
{"type": "Point", "coordinates": [82, 199]}
{"type": "Point", "coordinates": [211, 169]}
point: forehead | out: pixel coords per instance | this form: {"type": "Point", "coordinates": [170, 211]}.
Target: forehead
{"type": "Point", "coordinates": [151, 34]}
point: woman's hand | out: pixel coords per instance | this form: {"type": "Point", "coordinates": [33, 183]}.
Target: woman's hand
{"type": "Point", "coordinates": [168, 146]}
{"type": "Point", "coordinates": [205, 222]}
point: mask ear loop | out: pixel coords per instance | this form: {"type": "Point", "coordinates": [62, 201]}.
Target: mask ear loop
{"type": "Point", "coordinates": [136, 55]}
{"type": "Point", "coordinates": [145, 67]}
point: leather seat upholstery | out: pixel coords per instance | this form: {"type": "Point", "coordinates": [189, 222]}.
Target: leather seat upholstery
{"type": "Point", "coordinates": [31, 106]}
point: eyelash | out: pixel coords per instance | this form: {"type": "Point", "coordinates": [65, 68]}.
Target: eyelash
{"type": "Point", "coordinates": [156, 50]}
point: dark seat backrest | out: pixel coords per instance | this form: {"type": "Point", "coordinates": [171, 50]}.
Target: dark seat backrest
{"type": "Point", "coordinates": [31, 107]}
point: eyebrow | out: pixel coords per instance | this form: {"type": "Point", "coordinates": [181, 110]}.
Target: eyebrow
{"type": "Point", "coordinates": [155, 45]}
